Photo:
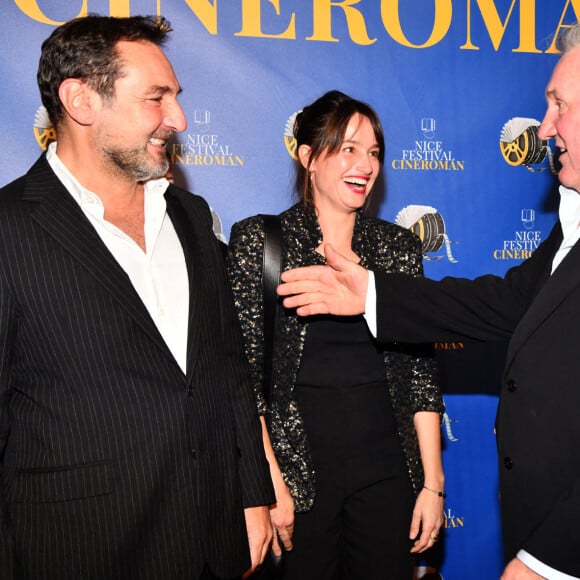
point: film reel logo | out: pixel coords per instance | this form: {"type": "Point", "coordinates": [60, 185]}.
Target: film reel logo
{"type": "Point", "coordinates": [427, 223]}
{"type": "Point", "coordinates": [44, 132]}
{"type": "Point", "coordinates": [521, 145]}
{"type": "Point", "coordinates": [289, 139]}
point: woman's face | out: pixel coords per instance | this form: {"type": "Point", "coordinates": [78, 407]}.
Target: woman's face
{"type": "Point", "coordinates": [342, 181]}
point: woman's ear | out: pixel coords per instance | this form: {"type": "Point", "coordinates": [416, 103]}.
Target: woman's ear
{"type": "Point", "coordinates": [304, 155]}
{"type": "Point", "coordinates": [78, 100]}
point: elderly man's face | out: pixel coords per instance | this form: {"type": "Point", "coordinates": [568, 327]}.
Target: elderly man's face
{"type": "Point", "coordinates": [562, 119]}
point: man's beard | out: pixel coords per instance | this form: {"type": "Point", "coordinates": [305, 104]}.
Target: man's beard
{"type": "Point", "coordinates": [136, 164]}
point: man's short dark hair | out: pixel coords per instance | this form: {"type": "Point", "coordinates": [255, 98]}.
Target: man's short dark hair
{"type": "Point", "coordinates": [85, 49]}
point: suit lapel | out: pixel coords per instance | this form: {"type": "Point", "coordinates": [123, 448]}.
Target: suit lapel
{"type": "Point", "coordinates": [185, 230]}
{"type": "Point", "coordinates": [62, 218]}
{"type": "Point", "coordinates": [558, 286]}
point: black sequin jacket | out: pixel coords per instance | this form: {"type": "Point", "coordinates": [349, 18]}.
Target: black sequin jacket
{"type": "Point", "coordinates": [411, 376]}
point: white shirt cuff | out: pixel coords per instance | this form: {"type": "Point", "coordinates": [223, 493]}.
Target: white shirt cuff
{"type": "Point", "coordinates": [370, 312]}
{"type": "Point", "coordinates": [542, 569]}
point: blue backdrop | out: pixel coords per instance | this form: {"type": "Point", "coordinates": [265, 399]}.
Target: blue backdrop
{"type": "Point", "coordinates": [450, 79]}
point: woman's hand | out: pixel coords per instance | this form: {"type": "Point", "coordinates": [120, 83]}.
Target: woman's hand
{"type": "Point", "coordinates": [282, 518]}
{"type": "Point", "coordinates": [282, 512]}
{"type": "Point", "coordinates": [427, 518]}
{"type": "Point", "coordinates": [428, 512]}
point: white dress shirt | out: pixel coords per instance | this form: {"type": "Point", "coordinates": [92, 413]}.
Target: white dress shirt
{"type": "Point", "coordinates": [569, 214]}
{"type": "Point", "coordinates": [159, 275]}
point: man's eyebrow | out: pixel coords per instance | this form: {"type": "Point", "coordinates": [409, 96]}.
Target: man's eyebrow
{"type": "Point", "coordinates": [162, 90]}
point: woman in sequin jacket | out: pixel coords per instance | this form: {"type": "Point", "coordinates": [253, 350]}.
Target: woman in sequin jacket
{"type": "Point", "coordinates": [327, 462]}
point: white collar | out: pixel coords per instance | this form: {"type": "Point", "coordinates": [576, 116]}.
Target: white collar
{"type": "Point", "coordinates": [569, 211]}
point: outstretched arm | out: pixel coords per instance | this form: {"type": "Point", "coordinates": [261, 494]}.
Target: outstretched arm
{"type": "Point", "coordinates": [413, 309]}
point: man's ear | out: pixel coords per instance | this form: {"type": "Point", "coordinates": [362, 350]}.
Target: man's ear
{"type": "Point", "coordinates": [78, 100]}
{"type": "Point", "coordinates": [304, 155]}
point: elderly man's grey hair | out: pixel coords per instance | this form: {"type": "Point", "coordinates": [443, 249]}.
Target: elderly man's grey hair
{"type": "Point", "coordinates": [569, 39]}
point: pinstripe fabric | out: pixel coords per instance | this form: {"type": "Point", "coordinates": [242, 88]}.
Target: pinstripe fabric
{"type": "Point", "coordinates": [115, 464]}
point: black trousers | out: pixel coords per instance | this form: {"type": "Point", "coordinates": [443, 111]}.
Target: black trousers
{"type": "Point", "coordinates": [354, 534]}
{"type": "Point", "coordinates": [207, 575]}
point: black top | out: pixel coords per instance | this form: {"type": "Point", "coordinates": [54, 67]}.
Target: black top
{"type": "Point", "coordinates": [344, 400]}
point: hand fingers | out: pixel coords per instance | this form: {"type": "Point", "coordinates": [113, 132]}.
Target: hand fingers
{"type": "Point", "coordinates": [303, 274]}
{"type": "Point", "coordinates": [265, 548]}
{"type": "Point", "coordinates": [276, 545]}
{"type": "Point", "coordinates": [429, 534]}
{"type": "Point", "coordinates": [299, 287]}
{"type": "Point", "coordinates": [333, 258]}
{"type": "Point", "coordinates": [259, 549]}
{"type": "Point", "coordinates": [336, 260]}
{"type": "Point", "coordinates": [415, 526]}
{"type": "Point", "coordinates": [313, 309]}
{"type": "Point", "coordinates": [426, 541]}
{"type": "Point", "coordinates": [307, 304]}
{"type": "Point", "coordinates": [285, 536]}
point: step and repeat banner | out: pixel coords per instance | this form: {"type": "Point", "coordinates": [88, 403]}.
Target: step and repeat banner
{"type": "Point", "coordinates": [459, 86]}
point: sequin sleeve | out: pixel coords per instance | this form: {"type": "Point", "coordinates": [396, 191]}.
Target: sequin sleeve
{"type": "Point", "coordinates": [424, 377]}
{"type": "Point", "coordinates": [412, 366]}
{"type": "Point", "coordinates": [245, 252]}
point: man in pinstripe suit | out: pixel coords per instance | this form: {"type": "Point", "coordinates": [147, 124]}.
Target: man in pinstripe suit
{"type": "Point", "coordinates": [130, 445]}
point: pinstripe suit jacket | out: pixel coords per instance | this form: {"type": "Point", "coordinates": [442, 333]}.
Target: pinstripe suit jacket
{"type": "Point", "coordinates": [114, 463]}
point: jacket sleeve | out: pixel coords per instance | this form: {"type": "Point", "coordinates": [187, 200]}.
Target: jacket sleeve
{"type": "Point", "coordinates": [415, 362]}
{"type": "Point", "coordinates": [487, 308]}
{"type": "Point", "coordinates": [254, 470]}
{"type": "Point", "coordinates": [245, 255]}
{"type": "Point", "coordinates": [7, 332]}
{"type": "Point", "coordinates": [555, 541]}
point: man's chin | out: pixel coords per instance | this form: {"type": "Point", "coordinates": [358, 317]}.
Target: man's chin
{"type": "Point", "coordinates": [569, 181]}
{"type": "Point", "coordinates": [158, 170]}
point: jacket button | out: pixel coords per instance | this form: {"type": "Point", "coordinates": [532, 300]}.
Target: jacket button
{"type": "Point", "coordinates": [193, 453]}
{"type": "Point", "coordinates": [511, 386]}
{"type": "Point", "coordinates": [508, 463]}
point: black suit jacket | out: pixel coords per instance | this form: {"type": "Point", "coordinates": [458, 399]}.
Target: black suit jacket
{"type": "Point", "coordinates": [114, 463]}
{"type": "Point", "coordinates": [538, 426]}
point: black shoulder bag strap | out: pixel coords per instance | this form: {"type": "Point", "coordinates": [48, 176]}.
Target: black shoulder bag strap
{"type": "Point", "coordinates": [270, 279]}
{"type": "Point", "coordinates": [273, 566]}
